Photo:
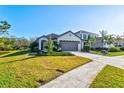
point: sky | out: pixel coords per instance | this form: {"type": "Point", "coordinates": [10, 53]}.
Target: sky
{"type": "Point", "coordinates": [34, 21]}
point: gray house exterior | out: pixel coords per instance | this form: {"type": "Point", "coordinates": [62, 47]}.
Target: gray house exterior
{"type": "Point", "coordinates": [100, 44]}
{"type": "Point", "coordinates": [69, 41]}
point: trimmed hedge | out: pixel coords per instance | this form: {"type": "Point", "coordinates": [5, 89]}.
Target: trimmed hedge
{"type": "Point", "coordinates": [86, 48]}
{"type": "Point", "coordinates": [114, 49]}
{"type": "Point", "coordinates": [57, 54]}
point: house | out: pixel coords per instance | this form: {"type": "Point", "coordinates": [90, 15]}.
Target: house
{"type": "Point", "coordinates": [121, 42]}
{"type": "Point", "coordinates": [69, 41]}
{"type": "Point", "coordinates": [100, 44]}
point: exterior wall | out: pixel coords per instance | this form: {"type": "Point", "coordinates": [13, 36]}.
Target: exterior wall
{"type": "Point", "coordinates": [81, 35]}
{"type": "Point", "coordinates": [121, 43]}
{"type": "Point", "coordinates": [39, 44]}
{"type": "Point", "coordinates": [108, 46]}
{"type": "Point", "coordinates": [98, 44]}
{"type": "Point", "coordinates": [70, 37]}
{"type": "Point", "coordinates": [82, 44]}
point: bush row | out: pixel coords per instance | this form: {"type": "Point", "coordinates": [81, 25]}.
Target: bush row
{"type": "Point", "coordinates": [57, 54]}
{"type": "Point", "coordinates": [114, 49]}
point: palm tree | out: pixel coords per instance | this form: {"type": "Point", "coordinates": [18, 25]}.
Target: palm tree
{"type": "Point", "coordinates": [110, 39]}
{"type": "Point", "coordinates": [103, 36]}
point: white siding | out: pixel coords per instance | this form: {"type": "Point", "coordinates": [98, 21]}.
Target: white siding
{"type": "Point", "coordinates": [39, 45]}
{"type": "Point", "coordinates": [70, 37]}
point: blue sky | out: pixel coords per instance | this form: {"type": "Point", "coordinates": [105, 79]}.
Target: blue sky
{"type": "Point", "coordinates": [34, 21]}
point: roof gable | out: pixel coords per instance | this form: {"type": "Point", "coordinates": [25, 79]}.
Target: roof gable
{"type": "Point", "coordinates": [69, 32]}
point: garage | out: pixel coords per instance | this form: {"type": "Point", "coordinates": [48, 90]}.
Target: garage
{"type": "Point", "coordinates": [69, 45]}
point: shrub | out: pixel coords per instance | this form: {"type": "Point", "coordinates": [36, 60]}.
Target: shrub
{"type": "Point", "coordinates": [99, 48]}
{"type": "Point", "coordinates": [114, 49]}
{"type": "Point", "coordinates": [57, 54]}
{"type": "Point", "coordinates": [86, 48]}
{"type": "Point", "coordinates": [104, 52]}
{"type": "Point", "coordinates": [122, 48]}
{"type": "Point", "coordinates": [33, 47]}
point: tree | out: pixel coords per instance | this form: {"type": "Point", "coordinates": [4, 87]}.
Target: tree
{"type": "Point", "coordinates": [118, 39]}
{"type": "Point", "coordinates": [90, 41]}
{"type": "Point", "coordinates": [50, 45]}
{"type": "Point", "coordinates": [33, 47]}
{"type": "Point", "coordinates": [21, 43]}
{"type": "Point", "coordinates": [56, 46]}
{"type": "Point", "coordinates": [7, 43]}
{"type": "Point", "coordinates": [103, 36]}
{"type": "Point", "coordinates": [110, 39]}
{"type": "Point", "coordinates": [4, 26]}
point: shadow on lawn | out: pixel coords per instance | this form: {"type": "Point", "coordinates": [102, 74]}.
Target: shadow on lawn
{"type": "Point", "coordinates": [18, 60]}
{"type": "Point", "coordinates": [17, 53]}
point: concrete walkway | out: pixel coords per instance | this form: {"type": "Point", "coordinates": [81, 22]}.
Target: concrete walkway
{"type": "Point", "coordinates": [83, 76]}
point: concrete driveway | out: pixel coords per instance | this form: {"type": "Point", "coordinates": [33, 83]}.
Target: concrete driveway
{"type": "Point", "coordinates": [83, 76]}
{"type": "Point", "coordinates": [117, 61]}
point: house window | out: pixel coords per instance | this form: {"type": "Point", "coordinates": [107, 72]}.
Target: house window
{"type": "Point", "coordinates": [89, 36]}
{"type": "Point", "coordinates": [84, 43]}
{"type": "Point", "coordinates": [84, 36]}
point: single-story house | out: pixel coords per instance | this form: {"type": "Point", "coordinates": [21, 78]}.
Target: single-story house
{"type": "Point", "coordinates": [69, 40]}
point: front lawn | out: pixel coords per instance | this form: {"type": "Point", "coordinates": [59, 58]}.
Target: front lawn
{"type": "Point", "coordinates": [3, 52]}
{"type": "Point", "coordinates": [18, 69]}
{"type": "Point", "coordinates": [109, 53]}
{"type": "Point", "coordinates": [109, 77]}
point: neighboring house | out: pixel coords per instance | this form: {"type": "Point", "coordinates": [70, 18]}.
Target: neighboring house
{"type": "Point", "coordinates": [100, 44]}
{"type": "Point", "coordinates": [121, 42]}
{"type": "Point", "coordinates": [69, 41]}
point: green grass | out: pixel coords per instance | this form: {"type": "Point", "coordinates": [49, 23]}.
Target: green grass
{"type": "Point", "coordinates": [109, 77]}
{"type": "Point", "coordinates": [96, 52]}
{"type": "Point", "coordinates": [3, 52]}
{"type": "Point", "coordinates": [115, 53]}
{"type": "Point", "coordinates": [109, 53]}
{"type": "Point", "coordinates": [19, 70]}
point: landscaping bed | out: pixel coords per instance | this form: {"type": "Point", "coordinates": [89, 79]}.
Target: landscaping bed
{"type": "Point", "coordinates": [57, 54]}
{"type": "Point", "coordinates": [19, 70]}
{"type": "Point", "coordinates": [109, 77]}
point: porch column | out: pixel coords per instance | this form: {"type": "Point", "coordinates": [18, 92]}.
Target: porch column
{"type": "Point", "coordinates": [39, 44]}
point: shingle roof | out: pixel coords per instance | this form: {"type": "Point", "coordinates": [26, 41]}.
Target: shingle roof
{"type": "Point", "coordinates": [53, 36]}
